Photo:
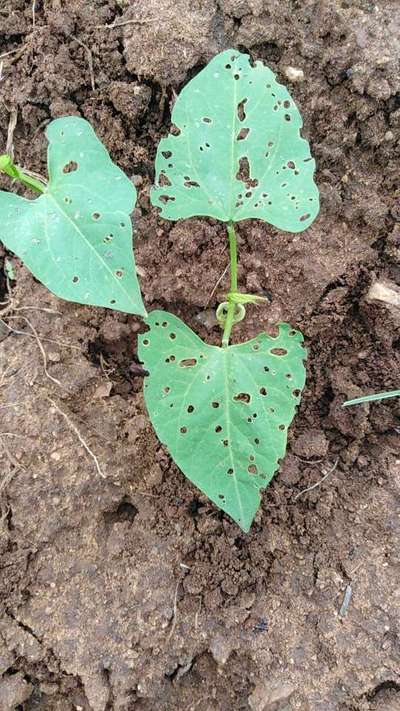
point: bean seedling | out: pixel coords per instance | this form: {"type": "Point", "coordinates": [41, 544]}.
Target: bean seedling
{"type": "Point", "coordinates": [234, 153]}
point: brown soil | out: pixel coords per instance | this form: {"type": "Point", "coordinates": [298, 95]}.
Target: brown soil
{"type": "Point", "coordinates": [132, 591]}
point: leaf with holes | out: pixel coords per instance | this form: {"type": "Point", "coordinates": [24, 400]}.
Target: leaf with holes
{"type": "Point", "coordinates": [236, 151]}
{"type": "Point", "coordinates": [76, 238]}
{"type": "Point", "coordinates": [223, 413]}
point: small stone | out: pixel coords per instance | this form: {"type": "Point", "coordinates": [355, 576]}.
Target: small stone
{"type": "Point", "coordinates": [270, 696]}
{"type": "Point", "coordinates": [221, 649]}
{"type": "Point", "coordinates": [294, 74]}
{"type": "Point", "coordinates": [389, 136]}
{"type": "Point", "coordinates": [103, 390]}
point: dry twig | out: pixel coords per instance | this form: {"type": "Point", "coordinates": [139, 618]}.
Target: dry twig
{"type": "Point", "coordinates": [10, 133]}
{"type": "Point", "coordinates": [89, 58]}
{"type": "Point", "coordinates": [78, 434]}
{"type": "Point", "coordinates": [124, 23]}
{"type": "Point", "coordinates": [43, 352]}
{"type": "Point", "coordinates": [217, 285]}
{"type": "Point", "coordinates": [318, 483]}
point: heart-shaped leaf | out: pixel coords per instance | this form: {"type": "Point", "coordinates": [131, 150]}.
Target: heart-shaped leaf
{"type": "Point", "coordinates": [76, 238]}
{"type": "Point", "coordinates": [223, 413]}
{"type": "Point", "coordinates": [236, 150]}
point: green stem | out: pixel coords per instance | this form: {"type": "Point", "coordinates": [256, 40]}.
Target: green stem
{"type": "Point", "coordinates": [234, 285]}
{"type": "Point", "coordinates": [8, 167]}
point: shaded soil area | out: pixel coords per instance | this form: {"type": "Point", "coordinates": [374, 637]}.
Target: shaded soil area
{"type": "Point", "coordinates": [121, 587]}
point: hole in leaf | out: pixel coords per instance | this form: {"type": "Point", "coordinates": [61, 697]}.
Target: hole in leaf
{"type": "Point", "coordinates": [241, 113]}
{"type": "Point", "coordinates": [230, 471]}
{"type": "Point", "coordinates": [225, 442]}
{"type": "Point", "coordinates": [146, 341]}
{"type": "Point", "coordinates": [113, 301]}
{"type": "Point", "coordinates": [291, 165]}
{"type": "Point", "coordinates": [166, 198]}
{"type": "Point", "coordinates": [183, 430]}
{"type": "Point", "coordinates": [296, 392]}
{"type": "Point", "coordinates": [70, 167]}
{"type": "Point", "coordinates": [304, 217]}
{"type": "Point", "coordinates": [96, 216]}
{"type": "Point", "coordinates": [256, 346]}
{"type": "Point", "coordinates": [188, 362]}
{"type": "Point", "coordinates": [263, 391]}
{"type": "Point", "coordinates": [163, 181]}
{"type": "Point", "coordinates": [242, 397]}
{"type": "Point", "coordinates": [228, 66]}
{"type": "Point", "coordinates": [286, 104]}
{"type": "Point", "coordinates": [221, 496]}
{"type": "Point", "coordinates": [236, 76]}
{"type": "Point", "coordinates": [252, 469]}
{"type": "Point", "coordinates": [190, 409]}
{"type": "Point", "coordinates": [282, 427]}
{"type": "Point", "coordinates": [256, 441]}
{"type": "Point", "coordinates": [122, 224]}
{"type": "Point", "coordinates": [172, 336]}
{"type": "Point", "coordinates": [108, 238]}
{"type": "Point", "coordinates": [243, 133]}
{"type": "Point", "coordinates": [119, 273]}
{"type": "Point", "coordinates": [191, 184]}
{"type": "Point", "coordinates": [288, 117]}
{"type": "Point", "coordinates": [166, 154]}
{"type": "Point", "coordinates": [164, 324]}
{"type": "Point", "coordinates": [278, 351]}
{"type": "Point", "coordinates": [218, 429]}
{"type": "Point", "coordinates": [243, 173]}
{"type": "Point", "coordinates": [215, 405]}
{"type": "Point", "coordinates": [67, 200]}
{"type": "Point", "coordinates": [206, 119]}
{"type": "Point", "coordinates": [175, 130]}
{"type": "Point", "coordinates": [166, 390]}
{"type": "Point", "coordinates": [75, 279]}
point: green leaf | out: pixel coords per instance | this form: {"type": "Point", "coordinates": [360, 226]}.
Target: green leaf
{"type": "Point", "coordinates": [76, 238]}
{"type": "Point", "coordinates": [239, 153]}
{"type": "Point", "coordinates": [223, 413]}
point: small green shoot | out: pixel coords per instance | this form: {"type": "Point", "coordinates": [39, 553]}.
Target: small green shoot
{"type": "Point", "coordinates": [235, 152]}
{"type": "Point", "coordinates": [372, 398]}
{"type": "Point", "coordinates": [76, 237]}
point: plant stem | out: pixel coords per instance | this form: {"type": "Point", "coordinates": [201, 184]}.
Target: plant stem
{"type": "Point", "coordinates": [234, 284]}
{"type": "Point", "coordinates": [8, 167]}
